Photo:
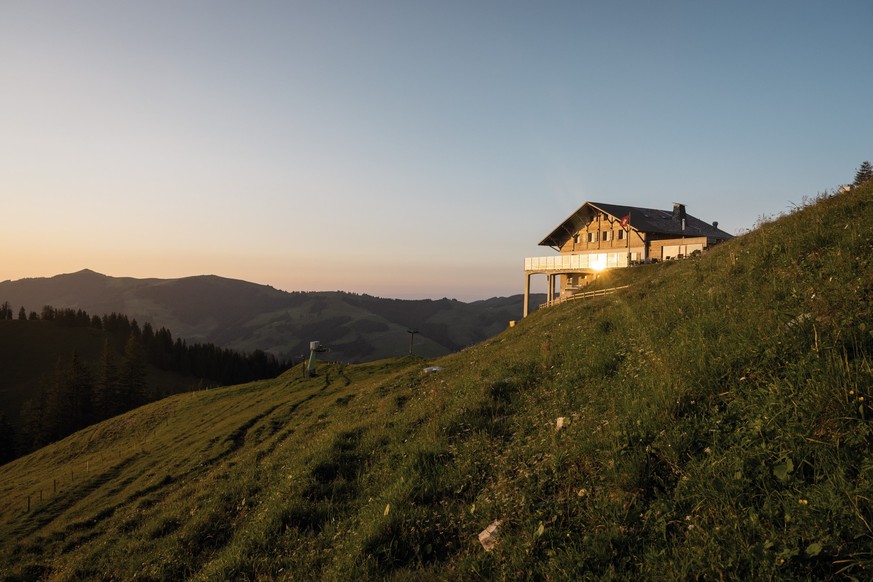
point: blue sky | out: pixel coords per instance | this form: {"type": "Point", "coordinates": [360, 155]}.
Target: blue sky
{"type": "Point", "coordinates": [406, 149]}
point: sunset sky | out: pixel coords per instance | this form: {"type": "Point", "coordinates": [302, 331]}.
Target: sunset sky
{"type": "Point", "coordinates": [406, 148]}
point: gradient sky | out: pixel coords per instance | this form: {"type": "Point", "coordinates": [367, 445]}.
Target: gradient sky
{"type": "Point", "coordinates": [406, 148]}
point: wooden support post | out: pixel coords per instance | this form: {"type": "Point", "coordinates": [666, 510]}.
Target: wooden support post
{"type": "Point", "coordinates": [548, 296]}
{"type": "Point", "coordinates": [526, 295]}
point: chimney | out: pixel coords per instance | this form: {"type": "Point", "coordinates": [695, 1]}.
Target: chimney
{"type": "Point", "coordinates": [679, 213]}
{"type": "Point", "coordinates": [715, 224]}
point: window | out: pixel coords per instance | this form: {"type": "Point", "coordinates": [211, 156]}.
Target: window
{"type": "Point", "coordinates": [670, 252]}
{"type": "Point", "coordinates": [606, 235]}
{"type": "Point", "coordinates": [592, 237]}
{"type": "Point", "coordinates": [575, 239]}
{"type": "Point", "coordinates": [621, 235]}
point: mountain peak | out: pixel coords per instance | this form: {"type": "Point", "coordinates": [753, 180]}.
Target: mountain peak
{"type": "Point", "coordinates": [88, 273]}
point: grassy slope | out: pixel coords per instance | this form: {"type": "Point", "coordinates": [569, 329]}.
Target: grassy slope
{"type": "Point", "coordinates": [719, 423]}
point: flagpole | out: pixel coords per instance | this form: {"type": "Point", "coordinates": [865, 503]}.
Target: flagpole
{"type": "Point", "coordinates": [627, 236]}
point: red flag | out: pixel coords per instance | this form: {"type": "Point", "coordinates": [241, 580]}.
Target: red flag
{"type": "Point", "coordinates": [625, 221]}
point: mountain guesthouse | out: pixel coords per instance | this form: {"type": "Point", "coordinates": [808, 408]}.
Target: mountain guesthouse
{"type": "Point", "coordinates": [606, 236]}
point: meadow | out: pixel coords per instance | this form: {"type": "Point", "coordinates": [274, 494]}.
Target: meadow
{"type": "Point", "coordinates": [711, 421]}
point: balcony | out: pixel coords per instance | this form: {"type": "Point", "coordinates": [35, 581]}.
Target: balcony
{"type": "Point", "coordinates": [569, 263]}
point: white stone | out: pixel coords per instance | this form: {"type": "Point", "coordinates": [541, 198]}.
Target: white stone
{"type": "Point", "coordinates": [488, 536]}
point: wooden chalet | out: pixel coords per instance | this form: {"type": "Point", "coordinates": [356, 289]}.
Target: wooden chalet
{"type": "Point", "coordinates": [606, 236]}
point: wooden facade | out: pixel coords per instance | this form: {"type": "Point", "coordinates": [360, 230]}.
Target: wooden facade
{"type": "Point", "coordinates": [604, 236]}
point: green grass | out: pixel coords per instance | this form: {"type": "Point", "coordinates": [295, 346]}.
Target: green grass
{"type": "Point", "coordinates": [717, 425]}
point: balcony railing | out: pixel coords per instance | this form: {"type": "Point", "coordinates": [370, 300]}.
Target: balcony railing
{"type": "Point", "coordinates": [588, 261]}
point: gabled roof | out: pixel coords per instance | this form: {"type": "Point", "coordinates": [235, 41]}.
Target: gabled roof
{"type": "Point", "coordinates": [648, 220]}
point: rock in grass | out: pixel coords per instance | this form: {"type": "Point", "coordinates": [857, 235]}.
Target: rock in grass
{"type": "Point", "coordinates": [488, 536]}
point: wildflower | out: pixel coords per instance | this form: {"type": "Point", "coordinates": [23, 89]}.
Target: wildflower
{"type": "Point", "coordinates": [803, 501]}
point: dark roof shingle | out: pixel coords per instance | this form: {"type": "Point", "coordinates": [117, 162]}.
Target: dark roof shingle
{"type": "Point", "coordinates": [647, 220]}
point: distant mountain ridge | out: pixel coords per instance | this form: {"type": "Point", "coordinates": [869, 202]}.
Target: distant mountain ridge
{"type": "Point", "coordinates": [246, 316]}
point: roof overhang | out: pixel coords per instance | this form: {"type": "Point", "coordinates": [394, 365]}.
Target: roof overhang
{"type": "Point", "coordinates": [571, 225]}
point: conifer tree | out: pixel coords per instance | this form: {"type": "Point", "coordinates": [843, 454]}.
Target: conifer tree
{"type": "Point", "coordinates": [82, 386]}
{"type": "Point", "coordinates": [864, 173]}
{"type": "Point", "coordinates": [107, 401]}
{"type": "Point", "coordinates": [31, 426]}
{"type": "Point", "coordinates": [163, 349]}
{"type": "Point", "coordinates": [133, 373]}
{"type": "Point", "coordinates": [22, 313]}
{"type": "Point", "coordinates": [7, 440]}
{"type": "Point", "coordinates": [55, 414]}
{"type": "Point", "coordinates": [68, 401]}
